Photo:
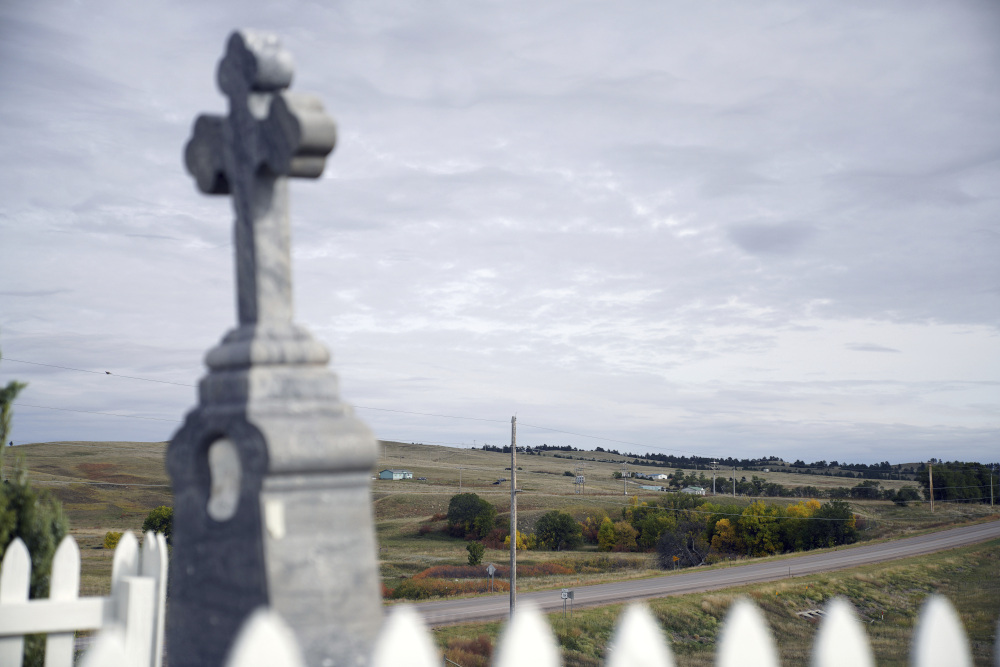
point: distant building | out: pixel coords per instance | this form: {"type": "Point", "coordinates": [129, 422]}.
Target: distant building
{"type": "Point", "coordinates": [660, 476]}
{"type": "Point", "coordinates": [693, 490]}
{"type": "Point", "coordinates": [395, 474]}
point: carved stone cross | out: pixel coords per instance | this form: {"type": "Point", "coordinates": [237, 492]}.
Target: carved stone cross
{"type": "Point", "coordinates": [269, 135]}
{"type": "Point", "coordinates": [271, 471]}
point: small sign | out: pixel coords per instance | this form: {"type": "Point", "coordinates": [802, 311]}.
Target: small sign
{"type": "Point", "coordinates": [491, 569]}
{"type": "Point", "coordinates": [565, 594]}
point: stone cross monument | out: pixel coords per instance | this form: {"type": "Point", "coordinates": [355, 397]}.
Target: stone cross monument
{"type": "Point", "coordinates": [271, 472]}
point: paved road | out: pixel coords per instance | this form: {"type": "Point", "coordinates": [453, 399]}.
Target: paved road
{"type": "Point", "coordinates": [692, 581]}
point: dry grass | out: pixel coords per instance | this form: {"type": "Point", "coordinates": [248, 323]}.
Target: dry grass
{"type": "Point", "coordinates": [887, 598]}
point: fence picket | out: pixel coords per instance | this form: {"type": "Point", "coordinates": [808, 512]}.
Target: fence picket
{"type": "Point", "coordinates": [63, 586]}
{"type": "Point", "coordinates": [153, 563]}
{"type": "Point", "coordinates": [527, 640]}
{"type": "Point", "coordinates": [746, 639]}
{"type": "Point", "coordinates": [108, 650]}
{"type": "Point", "coordinates": [841, 640]}
{"type": "Point", "coordinates": [996, 646]}
{"type": "Point", "coordinates": [638, 641]}
{"type": "Point", "coordinates": [404, 641]}
{"type": "Point", "coordinates": [15, 582]}
{"type": "Point", "coordinates": [939, 638]}
{"type": "Point", "coordinates": [265, 641]}
{"type": "Point", "coordinates": [126, 560]}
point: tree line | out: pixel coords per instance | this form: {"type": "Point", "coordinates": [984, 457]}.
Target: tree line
{"type": "Point", "coordinates": [683, 530]}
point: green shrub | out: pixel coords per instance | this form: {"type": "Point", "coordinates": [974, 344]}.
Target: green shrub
{"type": "Point", "coordinates": [476, 551]}
{"type": "Point", "coordinates": [37, 518]}
{"type": "Point", "coordinates": [470, 515]}
{"type": "Point", "coordinates": [160, 520]}
{"type": "Point", "coordinates": [111, 539]}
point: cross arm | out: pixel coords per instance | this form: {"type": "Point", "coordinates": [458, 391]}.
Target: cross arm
{"type": "Point", "coordinates": [203, 155]}
{"type": "Point", "coordinates": [299, 135]}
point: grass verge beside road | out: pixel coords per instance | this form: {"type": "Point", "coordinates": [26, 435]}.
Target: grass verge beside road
{"type": "Point", "coordinates": [887, 598]}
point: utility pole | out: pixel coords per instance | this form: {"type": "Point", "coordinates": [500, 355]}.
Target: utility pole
{"type": "Point", "coordinates": [513, 514]}
{"type": "Point", "coordinates": [734, 481]}
{"type": "Point", "coordinates": [991, 484]}
{"type": "Point", "coordinates": [930, 468]}
{"type": "Point", "coordinates": [460, 479]}
{"type": "Point", "coordinates": [624, 479]}
{"type": "Point", "coordinates": [714, 464]}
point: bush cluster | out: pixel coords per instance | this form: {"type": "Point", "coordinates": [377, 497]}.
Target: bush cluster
{"type": "Point", "coordinates": [421, 589]}
{"type": "Point", "coordinates": [470, 516]}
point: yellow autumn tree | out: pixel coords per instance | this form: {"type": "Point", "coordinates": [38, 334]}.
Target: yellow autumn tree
{"type": "Point", "coordinates": [726, 539]}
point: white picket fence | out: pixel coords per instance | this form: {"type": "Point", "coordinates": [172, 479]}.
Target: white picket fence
{"type": "Point", "coordinates": [745, 641]}
{"type": "Point", "coordinates": [134, 611]}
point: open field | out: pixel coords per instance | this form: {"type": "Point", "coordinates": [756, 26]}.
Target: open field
{"type": "Point", "coordinates": [887, 598]}
{"type": "Point", "coordinates": [113, 485]}
{"type": "Point", "coordinates": [442, 466]}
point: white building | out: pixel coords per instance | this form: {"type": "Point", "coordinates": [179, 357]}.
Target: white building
{"type": "Point", "coordinates": [395, 474]}
{"type": "Point", "coordinates": [693, 490]}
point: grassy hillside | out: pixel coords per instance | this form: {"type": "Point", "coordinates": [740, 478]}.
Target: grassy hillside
{"type": "Point", "coordinates": [112, 486]}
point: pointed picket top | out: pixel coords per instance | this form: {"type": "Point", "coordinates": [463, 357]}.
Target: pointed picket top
{"type": "Point", "coordinates": [939, 638]}
{"type": "Point", "coordinates": [126, 560]}
{"type": "Point", "coordinates": [841, 640]}
{"type": "Point", "coordinates": [154, 564]}
{"type": "Point", "coordinates": [15, 582]}
{"type": "Point", "coordinates": [15, 576]}
{"type": "Point", "coordinates": [64, 585]}
{"type": "Point", "coordinates": [527, 640]}
{"type": "Point", "coordinates": [265, 640]}
{"type": "Point", "coordinates": [65, 581]}
{"type": "Point", "coordinates": [108, 650]}
{"type": "Point", "coordinates": [746, 638]}
{"type": "Point", "coordinates": [404, 641]}
{"type": "Point", "coordinates": [638, 641]}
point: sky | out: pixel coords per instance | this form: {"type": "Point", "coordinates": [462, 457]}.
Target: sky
{"type": "Point", "coordinates": [712, 228]}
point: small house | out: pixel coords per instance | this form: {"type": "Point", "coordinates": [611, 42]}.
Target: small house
{"type": "Point", "coordinates": [395, 474]}
{"type": "Point", "coordinates": [693, 490]}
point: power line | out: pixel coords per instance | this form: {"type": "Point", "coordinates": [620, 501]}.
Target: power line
{"type": "Point", "coordinates": [84, 370]}
{"type": "Point", "coordinates": [94, 412]}
{"type": "Point", "coordinates": [621, 442]}
{"type": "Point", "coordinates": [430, 414]}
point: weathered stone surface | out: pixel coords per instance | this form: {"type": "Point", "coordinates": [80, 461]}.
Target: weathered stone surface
{"type": "Point", "coordinates": [272, 499]}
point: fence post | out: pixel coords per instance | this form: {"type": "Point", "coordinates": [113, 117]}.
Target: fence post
{"type": "Point", "coordinates": [15, 581]}
{"type": "Point", "coordinates": [64, 586]}
{"type": "Point", "coordinates": [134, 611]}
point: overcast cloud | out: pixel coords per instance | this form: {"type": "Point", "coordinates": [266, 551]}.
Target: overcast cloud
{"type": "Point", "coordinates": [722, 228]}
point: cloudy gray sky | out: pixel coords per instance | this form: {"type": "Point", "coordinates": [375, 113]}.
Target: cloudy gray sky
{"type": "Point", "coordinates": [723, 228]}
